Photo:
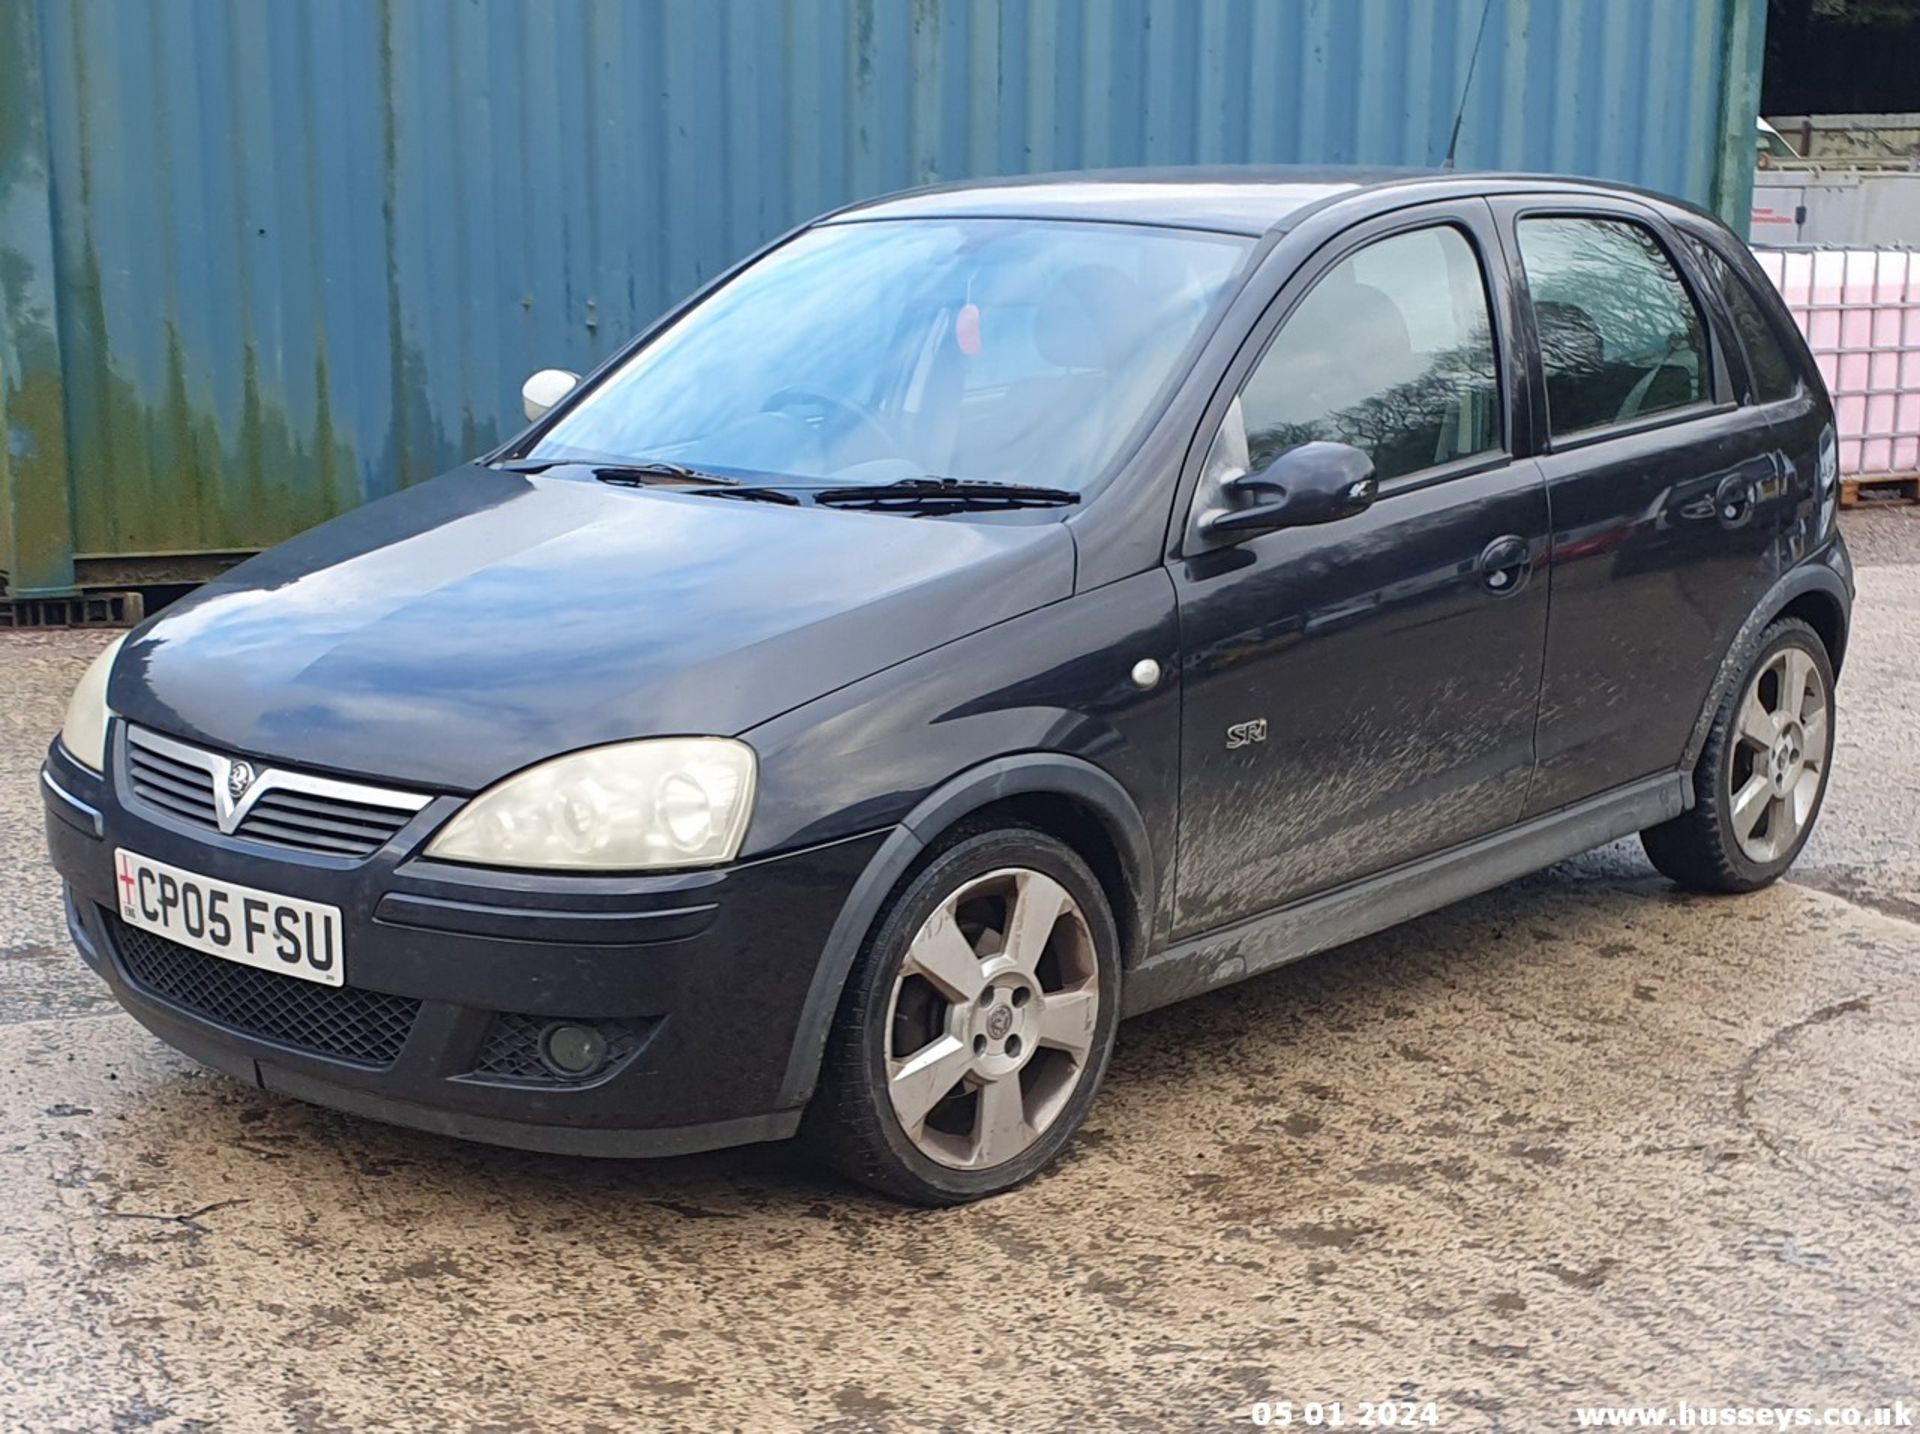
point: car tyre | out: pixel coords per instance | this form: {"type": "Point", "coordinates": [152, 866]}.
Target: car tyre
{"type": "Point", "coordinates": [976, 1024]}
{"type": "Point", "coordinates": [1762, 773]}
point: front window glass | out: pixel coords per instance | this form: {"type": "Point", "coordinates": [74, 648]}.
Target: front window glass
{"type": "Point", "coordinates": [1619, 336]}
{"type": "Point", "coordinates": [1390, 352]}
{"type": "Point", "coordinates": [1002, 350]}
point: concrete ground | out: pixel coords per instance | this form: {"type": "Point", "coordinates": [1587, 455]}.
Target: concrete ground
{"type": "Point", "coordinates": [1582, 1140]}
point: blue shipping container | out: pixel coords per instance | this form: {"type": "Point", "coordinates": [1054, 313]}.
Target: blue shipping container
{"type": "Point", "coordinates": [262, 260]}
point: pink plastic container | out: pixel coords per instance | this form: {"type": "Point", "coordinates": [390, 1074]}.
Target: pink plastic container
{"type": "Point", "coordinates": [1860, 311]}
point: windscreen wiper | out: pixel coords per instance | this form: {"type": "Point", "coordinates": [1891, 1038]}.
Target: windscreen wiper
{"type": "Point", "coordinates": [695, 481]}
{"type": "Point", "coordinates": [649, 471]}
{"type": "Point", "coordinates": [949, 495]}
{"type": "Point", "coordinates": [639, 472]}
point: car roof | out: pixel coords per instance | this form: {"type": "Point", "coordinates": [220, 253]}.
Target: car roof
{"type": "Point", "coordinates": [1236, 199]}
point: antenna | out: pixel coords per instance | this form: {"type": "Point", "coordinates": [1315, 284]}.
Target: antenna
{"type": "Point", "coordinates": [1479, 35]}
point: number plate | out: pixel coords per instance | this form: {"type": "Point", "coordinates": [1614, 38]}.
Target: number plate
{"type": "Point", "coordinates": [238, 923]}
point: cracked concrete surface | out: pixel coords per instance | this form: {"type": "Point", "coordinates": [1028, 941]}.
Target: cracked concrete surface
{"type": "Point", "coordinates": [1584, 1139]}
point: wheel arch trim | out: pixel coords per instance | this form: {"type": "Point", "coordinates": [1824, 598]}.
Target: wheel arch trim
{"type": "Point", "coordinates": [1050, 774]}
{"type": "Point", "coordinates": [1816, 578]}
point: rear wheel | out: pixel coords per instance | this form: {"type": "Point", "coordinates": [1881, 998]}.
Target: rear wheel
{"type": "Point", "coordinates": [976, 1025]}
{"type": "Point", "coordinates": [1762, 774]}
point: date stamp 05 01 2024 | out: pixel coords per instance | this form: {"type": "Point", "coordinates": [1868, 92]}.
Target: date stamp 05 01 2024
{"type": "Point", "coordinates": [1336, 1414]}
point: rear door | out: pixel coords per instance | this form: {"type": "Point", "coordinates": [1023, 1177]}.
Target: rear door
{"type": "Point", "coordinates": [1664, 491]}
{"type": "Point", "coordinates": [1779, 380]}
{"type": "Point", "coordinates": [1363, 692]}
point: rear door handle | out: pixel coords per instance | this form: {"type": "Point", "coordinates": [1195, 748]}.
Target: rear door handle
{"type": "Point", "coordinates": [1733, 500]}
{"type": "Point", "coordinates": [1506, 564]}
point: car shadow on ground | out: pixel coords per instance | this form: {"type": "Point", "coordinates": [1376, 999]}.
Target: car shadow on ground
{"type": "Point", "coordinates": [1250, 1049]}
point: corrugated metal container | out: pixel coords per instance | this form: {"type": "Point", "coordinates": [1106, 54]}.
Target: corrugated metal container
{"type": "Point", "coordinates": [265, 261]}
{"type": "Point", "coordinates": [1860, 312]}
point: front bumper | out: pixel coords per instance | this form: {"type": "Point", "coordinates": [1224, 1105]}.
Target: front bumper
{"type": "Point", "coordinates": [700, 979]}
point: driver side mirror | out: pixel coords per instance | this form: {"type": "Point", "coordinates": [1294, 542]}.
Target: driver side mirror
{"type": "Point", "coordinates": [540, 393]}
{"type": "Point", "coordinates": [1314, 483]}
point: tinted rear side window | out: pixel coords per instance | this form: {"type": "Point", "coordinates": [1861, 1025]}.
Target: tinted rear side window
{"type": "Point", "coordinates": [1620, 337]}
{"type": "Point", "coordinates": [1773, 376]}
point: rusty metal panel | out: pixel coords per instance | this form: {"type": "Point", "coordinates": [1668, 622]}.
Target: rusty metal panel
{"type": "Point", "coordinates": [277, 259]}
{"type": "Point", "coordinates": [36, 527]}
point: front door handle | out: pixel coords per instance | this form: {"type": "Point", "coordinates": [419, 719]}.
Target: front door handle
{"type": "Point", "coordinates": [1506, 564]}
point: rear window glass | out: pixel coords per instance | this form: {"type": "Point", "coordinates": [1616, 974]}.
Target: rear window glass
{"type": "Point", "coordinates": [1773, 376]}
{"type": "Point", "coordinates": [1620, 338]}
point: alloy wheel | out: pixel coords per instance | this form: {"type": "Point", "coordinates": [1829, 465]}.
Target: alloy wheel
{"type": "Point", "coordinates": [991, 1022]}
{"type": "Point", "coordinates": [1782, 733]}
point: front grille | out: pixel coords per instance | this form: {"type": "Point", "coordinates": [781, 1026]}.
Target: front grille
{"type": "Point", "coordinates": [512, 1047]}
{"type": "Point", "coordinates": [349, 1024]}
{"type": "Point", "coordinates": [292, 810]}
{"type": "Point", "coordinates": [323, 824]}
{"type": "Point", "coordinates": [172, 785]}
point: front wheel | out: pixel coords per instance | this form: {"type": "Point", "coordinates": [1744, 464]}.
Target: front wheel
{"type": "Point", "coordinates": [1762, 773]}
{"type": "Point", "coordinates": [976, 1025]}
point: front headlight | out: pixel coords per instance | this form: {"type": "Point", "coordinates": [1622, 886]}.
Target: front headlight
{"type": "Point", "coordinates": [662, 802]}
{"type": "Point", "coordinates": [84, 733]}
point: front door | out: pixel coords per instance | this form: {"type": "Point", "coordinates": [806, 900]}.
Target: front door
{"type": "Point", "coordinates": [1361, 693]}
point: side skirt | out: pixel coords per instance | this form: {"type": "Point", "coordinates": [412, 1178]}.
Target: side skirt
{"type": "Point", "coordinates": [1260, 943]}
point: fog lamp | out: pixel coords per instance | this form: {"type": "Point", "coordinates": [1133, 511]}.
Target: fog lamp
{"type": "Point", "coordinates": [572, 1051]}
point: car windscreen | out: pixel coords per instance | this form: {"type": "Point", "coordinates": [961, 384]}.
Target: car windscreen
{"type": "Point", "coordinates": [986, 349]}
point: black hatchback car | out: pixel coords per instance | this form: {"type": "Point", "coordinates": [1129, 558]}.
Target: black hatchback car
{"type": "Point", "coordinates": [986, 613]}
